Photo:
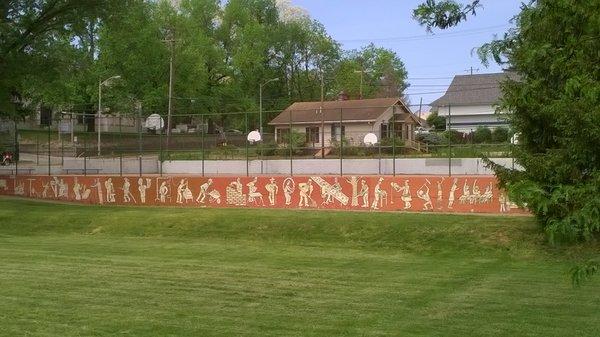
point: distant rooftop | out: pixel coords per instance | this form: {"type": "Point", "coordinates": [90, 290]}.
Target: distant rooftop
{"type": "Point", "coordinates": [474, 89]}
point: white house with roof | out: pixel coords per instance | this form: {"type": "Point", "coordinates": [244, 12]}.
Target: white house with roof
{"type": "Point", "coordinates": [470, 102]}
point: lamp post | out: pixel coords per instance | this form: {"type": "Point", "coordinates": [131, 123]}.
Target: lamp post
{"type": "Point", "coordinates": [260, 102]}
{"type": "Point", "coordinates": [100, 84]}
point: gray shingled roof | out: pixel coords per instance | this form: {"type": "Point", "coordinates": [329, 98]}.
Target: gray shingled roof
{"type": "Point", "coordinates": [474, 89]}
{"type": "Point", "coordinates": [352, 110]}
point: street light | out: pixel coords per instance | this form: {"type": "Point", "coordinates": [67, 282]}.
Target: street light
{"type": "Point", "coordinates": [260, 102]}
{"type": "Point", "coordinates": [100, 84]}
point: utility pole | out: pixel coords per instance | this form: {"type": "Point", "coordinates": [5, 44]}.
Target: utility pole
{"type": "Point", "coordinates": [322, 117]}
{"type": "Point", "coordinates": [420, 107]}
{"type": "Point", "coordinates": [171, 42]}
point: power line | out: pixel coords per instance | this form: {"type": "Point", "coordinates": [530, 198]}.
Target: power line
{"type": "Point", "coordinates": [429, 36]}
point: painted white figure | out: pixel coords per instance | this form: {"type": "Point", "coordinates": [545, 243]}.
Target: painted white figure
{"type": "Point", "coordinates": [423, 194]}
{"type": "Point", "coordinates": [331, 192]}
{"type": "Point", "coordinates": [364, 193]}
{"type": "Point", "coordinates": [452, 194]}
{"type": "Point", "coordinates": [110, 191]}
{"type": "Point", "coordinates": [77, 189]}
{"type": "Point", "coordinates": [32, 191]}
{"type": "Point", "coordinates": [98, 186]}
{"type": "Point", "coordinates": [20, 189]}
{"type": "Point", "coordinates": [63, 189]}
{"type": "Point", "coordinates": [272, 190]}
{"type": "Point", "coordinates": [306, 190]}
{"type": "Point", "coordinates": [466, 193]}
{"type": "Point", "coordinates": [184, 194]}
{"type": "Point", "coordinates": [406, 197]}
{"type": "Point", "coordinates": [3, 185]}
{"type": "Point", "coordinates": [46, 189]}
{"type": "Point", "coordinates": [204, 191]}
{"type": "Point", "coordinates": [253, 194]}
{"type": "Point", "coordinates": [440, 194]}
{"type": "Point", "coordinates": [503, 201]}
{"type": "Point", "coordinates": [379, 195]}
{"type": "Point", "coordinates": [127, 195]}
{"type": "Point", "coordinates": [353, 181]}
{"type": "Point", "coordinates": [488, 194]}
{"type": "Point", "coordinates": [476, 195]}
{"type": "Point", "coordinates": [143, 187]}
{"type": "Point", "coordinates": [235, 193]}
{"type": "Point", "coordinates": [54, 186]}
{"type": "Point", "coordinates": [163, 192]}
{"type": "Point", "coordinates": [288, 189]}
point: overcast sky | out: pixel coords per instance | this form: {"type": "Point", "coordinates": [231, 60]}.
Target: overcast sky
{"type": "Point", "coordinates": [389, 24]}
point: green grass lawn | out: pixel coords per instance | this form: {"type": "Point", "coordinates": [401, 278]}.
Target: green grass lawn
{"type": "Point", "coordinates": [69, 270]}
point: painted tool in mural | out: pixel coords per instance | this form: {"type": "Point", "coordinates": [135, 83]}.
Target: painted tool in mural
{"type": "Point", "coordinates": [272, 190]}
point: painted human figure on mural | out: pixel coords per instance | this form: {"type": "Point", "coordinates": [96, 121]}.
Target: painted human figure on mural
{"type": "Point", "coordinates": [379, 195]}
{"type": "Point", "coordinates": [353, 181]}
{"type": "Point", "coordinates": [364, 193]}
{"type": "Point", "coordinates": [272, 190]}
{"type": "Point", "coordinates": [63, 189]}
{"type": "Point", "coordinates": [466, 194]}
{"type": "Point", "coordinates": [184, 194]}
{"type": "Point", "coordinates": [423, 194]}
{"type": "Point", "coordinates": [77, 189]}
{"type": "Point", "coordinates": [20, 188]}
{"type": "Point", "coordinates": [235, 193]}
{"type": "Point", "coordinates": [110, 191]}
{"type": "Point", "coordinates": [306, 190]}
{"type": "Point", "coordinates": [253, 194]}
{"type": "Point", "coordinates": [143, 187]}
{"type": "Point", "coordinates": [98, 186]}
{"type": "Point", "coordinates": [3, 185]}
{"type": "Point", "coordinates": [406, 197]}
{"type": "Point", "coordinates": [440, 194]}
{"type": "Point", "coordinates": [452, 194]}
{"type": "Point", "coordinates": [288, 190]}
{"type": "Point", "coordinates": [329, 191]}
{"type": "Point", "coordinates": [127, 195]}
{"type": "Point", "coordinates": [54, 186]}
{"type": "Point", "coordinates": [503, 202]}
{"type": "Point", "coordinates": [46, 189]}
{"type": "Point", "coordinates": [488, 194]}
{"type": "Point", "coordinates": [163, 192]}
{"type": "Point", "coordinates": [204, 191]}
{"type": "Point", "coordinates": [476, 195]}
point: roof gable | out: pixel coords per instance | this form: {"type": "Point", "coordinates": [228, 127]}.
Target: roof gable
{"type": "Point", "coordinates": [478, 89]}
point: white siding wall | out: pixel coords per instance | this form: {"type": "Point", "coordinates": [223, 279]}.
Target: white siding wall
{"type": "Point", "coordinates": [468, 118]}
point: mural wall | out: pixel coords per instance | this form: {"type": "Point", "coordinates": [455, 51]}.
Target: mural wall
{"type": "Point", "coordinates": [463, 194]}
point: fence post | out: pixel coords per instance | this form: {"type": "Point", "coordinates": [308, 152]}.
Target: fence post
{"type": "Point", "coordinates": [341, 144]}
{"type": "Point", "coordinates": [290, 136]}
{"type": "Point", "coordinates": [49, 150]}
{"type": "Point", "coordinates": [379, 146]}
{"type": "Point", "coordinates": [202, 142]}
{"type": "Point", "coordinates": [120, 146]}
{"type": "Point", "coordinates": [246, 136]}
{"type": "Point", "coordinates": [394, 141]}
{"type": "Point", "coordinates": [62, 151]}
{"type": "Point", "coordinates": [139, 122]}
{"type": "Point", "coordinates": [449, 140]}
{"type": "Point", "coordinates": [85, 155]}
{"type": "Point", "coordinates": [37, 150]}
{"type": "Point", "coordinates": [17, 155]}
{"type": "Point", "coordinates": [160, 150]}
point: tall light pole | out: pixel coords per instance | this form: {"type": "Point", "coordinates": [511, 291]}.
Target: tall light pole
{"type": "Point", "coordinates": [100, 84]}
{"type": "Point", "coordinates": [260, 103]}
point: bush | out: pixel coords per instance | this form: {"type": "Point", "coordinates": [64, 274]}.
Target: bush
{"type": "Point", "coordinates": [455, 137]}
{"type": "Point", "coordinates": [482, 135]}
{"type": "Point", "coordinates": [430, 138]}
{"type": "Point", "coordinates": [436, 121]}
{"type": "Point", "coordinates": [500, 135]}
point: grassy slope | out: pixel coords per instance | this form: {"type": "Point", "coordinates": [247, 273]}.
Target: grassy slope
{"type": "Point", "coordinates": [77, 270]}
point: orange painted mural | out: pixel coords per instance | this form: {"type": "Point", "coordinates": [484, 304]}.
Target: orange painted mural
{"type": "Point", "coordinates": [463, 194]}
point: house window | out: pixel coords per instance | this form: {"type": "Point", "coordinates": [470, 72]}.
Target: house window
{"type": "Point", "coordinates": [282, 135]}
{"type": "Point", "coordinates": [384, 131]}
{"type": "Point", "coordinates": [334, 131]}
{"type": "Point", "coordinates": [312, 134]}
